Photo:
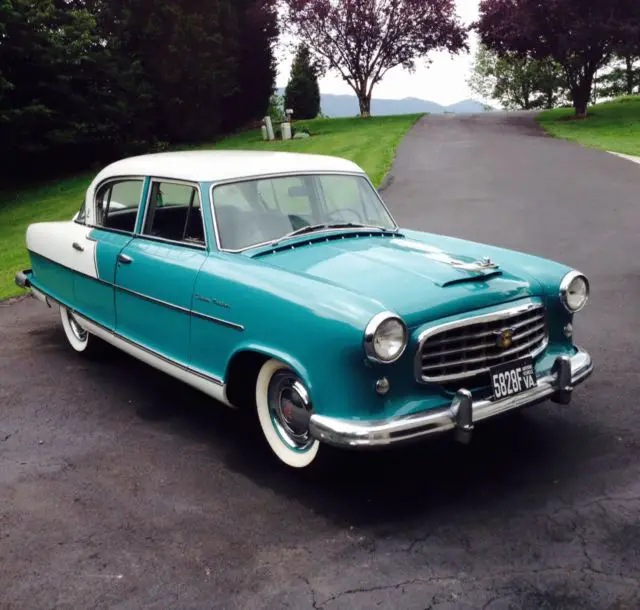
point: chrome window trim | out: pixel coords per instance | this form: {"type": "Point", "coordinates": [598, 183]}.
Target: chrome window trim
{"type": "Point", "coordinates": [94, 204]}
{"type": "Point", "coordinates": [195, 185]}
{"type": "Point", "coordinates": [564, 288]}
{"type": "Point", "coordinates": [503, 314]}
{"type": "Point", "coordinates": [285, 174]}
{"type": "Point", "coordinates": [370, 332]}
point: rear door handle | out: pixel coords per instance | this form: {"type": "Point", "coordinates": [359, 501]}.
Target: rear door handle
{"type": "Point", "coordinates": [124, 259]}
{"type": "Point", "coordinates": [77, 246]}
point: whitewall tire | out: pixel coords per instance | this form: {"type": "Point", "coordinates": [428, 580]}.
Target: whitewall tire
{"type": "Point", "coordinates": [78, 337]}
{"type": "Point", "coordinates": [283, 407]}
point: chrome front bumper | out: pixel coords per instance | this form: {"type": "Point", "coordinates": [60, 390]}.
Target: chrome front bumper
{"type": "Point", "coordinates": [22, 278]}
{"type": "Point", "coordinates": [460, 416]}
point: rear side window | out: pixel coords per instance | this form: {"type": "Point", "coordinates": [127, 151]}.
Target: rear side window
{"type": "Point", "coordinates": [174, 214]}
{"type": "Point", "coordinates": [117, 205]}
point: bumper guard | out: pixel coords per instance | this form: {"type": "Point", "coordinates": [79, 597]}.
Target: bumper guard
{"type": "Point", "coordinates": [460, 417]}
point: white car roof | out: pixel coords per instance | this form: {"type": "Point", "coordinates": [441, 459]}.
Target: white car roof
{"type": "Point", "coordinates": [213, 165]}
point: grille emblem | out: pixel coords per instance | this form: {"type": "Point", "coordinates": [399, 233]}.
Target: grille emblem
{"type": "Point", "coordinates": [504, 338]}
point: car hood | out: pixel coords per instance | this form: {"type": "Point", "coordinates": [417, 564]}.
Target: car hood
{"type": "Point", "coordinates": [418, 281]}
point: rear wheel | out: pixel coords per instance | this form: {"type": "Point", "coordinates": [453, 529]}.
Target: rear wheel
{"type": "Point", "coordinates": [284, 409]}
{"type": "Point", "coordinates": [79, 338]}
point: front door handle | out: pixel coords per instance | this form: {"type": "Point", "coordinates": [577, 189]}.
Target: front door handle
{"type": "Point", "coordinates": [77, 246]}
{"type": "Point", "coordinates": [124, 259]}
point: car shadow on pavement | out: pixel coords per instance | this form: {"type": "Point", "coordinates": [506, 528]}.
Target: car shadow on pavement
{"type": "Point", "coordinates": [519, 461]}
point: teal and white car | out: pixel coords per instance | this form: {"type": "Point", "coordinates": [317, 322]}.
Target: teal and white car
{"type": "Point", "coordinates": [281, 282]}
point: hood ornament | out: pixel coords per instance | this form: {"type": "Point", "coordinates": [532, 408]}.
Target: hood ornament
{"type": "Point", "coordinates": [484, 264]}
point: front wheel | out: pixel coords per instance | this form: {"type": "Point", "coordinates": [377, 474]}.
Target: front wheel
{"type": "Point", "coordinates": [284, 409]}
{"type": "Point", "coordinates": [80, 339]}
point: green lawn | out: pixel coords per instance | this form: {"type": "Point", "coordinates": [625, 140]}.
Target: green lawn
{"type": "Point", "coordinates": [613, 126]}
{"type": "Point", "coordinates": [371, 143]}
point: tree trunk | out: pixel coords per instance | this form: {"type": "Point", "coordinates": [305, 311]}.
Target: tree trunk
{"type": "Point", "coordinates": [549, 96]}
{"type": "Point", "coordinates": [364, 100]}
{"type": "Point", "coordinates": [581, 94]}
{"type": "Point", "coordinates": [630, 75]}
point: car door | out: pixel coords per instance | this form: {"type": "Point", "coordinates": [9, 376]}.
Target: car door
{"type": "Point", "coordinates": [156, 271]}
{"type": "Point", "coordinates": [96, 247]}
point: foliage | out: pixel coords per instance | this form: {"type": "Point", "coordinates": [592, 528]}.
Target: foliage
{"type": "Point", "coordinates": [84, 81]}
{"type": "Point", "coordinates": [363, 39]}
{"type": "Point", "coordinates": [276, 110]}
{"type": "Point", "coordinates": [302, 94]}
{"type": "Point", "coordinates": [517, 82]}
{"type": "Point", "coordinates": [612, 126]}
{"type": "Point", "coordinates": [370, 143]}
{"type": "Point", "coordinates": [580, 36]}
{"type": "Point", "coordinates": [622, 77]}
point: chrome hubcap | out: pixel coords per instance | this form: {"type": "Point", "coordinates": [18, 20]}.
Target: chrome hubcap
{"type": "Point", "coordinates": [290, 410]}
{"type": "Point", "coordinates": [78, 332]}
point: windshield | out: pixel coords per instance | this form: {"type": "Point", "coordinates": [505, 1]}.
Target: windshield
{"type": "Point", "coordinates": [259, 211]}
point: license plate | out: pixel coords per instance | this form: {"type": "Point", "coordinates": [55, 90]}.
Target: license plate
{"type": "Point", "coordinates": [512, 378]}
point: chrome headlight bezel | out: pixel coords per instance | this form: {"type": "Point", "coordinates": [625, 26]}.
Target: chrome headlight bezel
{"type": "Point", "coordinates": [376, 323]}
{"type": "Point", "coordinates": [565, 286]}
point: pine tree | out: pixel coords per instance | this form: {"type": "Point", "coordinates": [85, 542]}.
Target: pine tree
{"type": "Point", "coordinates": [302, 94]}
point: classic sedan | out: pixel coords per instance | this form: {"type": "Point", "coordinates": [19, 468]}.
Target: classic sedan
{"type": "Point", "coordinates": [281, 282]}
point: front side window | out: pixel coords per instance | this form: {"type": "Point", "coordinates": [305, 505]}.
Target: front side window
{"type": "Point", "coordinates": [117, 204]}
{"type": "Point", "coordinates": [258, 211]}
{"type": "Point", "coordinates": [174, 213]}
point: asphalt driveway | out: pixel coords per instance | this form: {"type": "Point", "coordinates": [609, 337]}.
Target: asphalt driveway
{"type": "Point", "coordinates": [121, 488]}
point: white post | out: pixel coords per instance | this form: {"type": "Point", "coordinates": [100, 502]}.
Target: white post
{"type": "Point", "coordinates": [267, 122]}
{"type": "Point", "coordinates": [265, 135]}
{"type": "Point", "coordinates": [286, 131]}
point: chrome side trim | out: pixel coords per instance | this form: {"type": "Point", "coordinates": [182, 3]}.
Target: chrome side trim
{"type": "Point", "coordinates": [90, 277]}
{"type": "Point", "coordinates": [490, 317]}
{"type": "Point", "coordinates": [564, 287]}
{"type": "Point", "coordinates": [181, 309]}
{"type": "Point", "coordinates": [359, 434]}
{"type": "Point", "coordinates": [109, 332]}
{"type": "Point", "coordinates": [220, 321]}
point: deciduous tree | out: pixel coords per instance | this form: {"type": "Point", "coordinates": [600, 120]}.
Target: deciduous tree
{"type": "Point", "coordinates": [363, 39]}
{"type": "Point", "coordinates": [517, 82]}
{"type": "Point", "coordinates": [580, 36]}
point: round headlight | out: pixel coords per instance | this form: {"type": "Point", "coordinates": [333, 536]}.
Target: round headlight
{"type": "Point", "coordinates": [385, 338]}
{"type": "Point", "coordinates": [574, 291]}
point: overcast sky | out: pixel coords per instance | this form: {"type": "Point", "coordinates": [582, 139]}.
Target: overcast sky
{"type": "Point", "coordinates": [444, 81]}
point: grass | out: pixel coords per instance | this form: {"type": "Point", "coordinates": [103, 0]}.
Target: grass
{"type": "Point", "coordinates": [613, 126]}
{"type": "Point", "coordinates": [371, 143]}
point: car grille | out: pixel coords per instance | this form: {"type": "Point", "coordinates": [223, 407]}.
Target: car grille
{"type": "Point", "coordinates": [468, 348]}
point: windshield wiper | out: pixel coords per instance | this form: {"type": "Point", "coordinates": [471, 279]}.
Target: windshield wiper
{"type": "Point", "coordinates": [324, 226]}
{"type": "Point", "coordinates": [357, 225]}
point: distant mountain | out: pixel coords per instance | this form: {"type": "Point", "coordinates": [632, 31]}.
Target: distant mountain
{"type": "Point", "coordinates": [347, 105]}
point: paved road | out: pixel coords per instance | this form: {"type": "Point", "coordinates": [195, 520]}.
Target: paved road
{"type": "Point", "coordinates": [122, 488]}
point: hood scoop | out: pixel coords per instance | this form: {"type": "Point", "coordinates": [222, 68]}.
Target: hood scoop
{"type": "Point", "coordinates": [481, 277]}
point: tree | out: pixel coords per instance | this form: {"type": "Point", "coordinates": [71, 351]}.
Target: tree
{"type": "Point", "coordinates": [622, 77]}
{"type": "Point", "coordinates": [580, 36]}
{"type": "Point", "coordinates": [303, 93]}
{"type": "Point", "coordinates": [363, 39]}
{"type": "Point", "coordinates": [255, 66]}
{"type": "Point", "coordinates": [517, 82]}
{"type": "Point", "coordinates": [51, 104]}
